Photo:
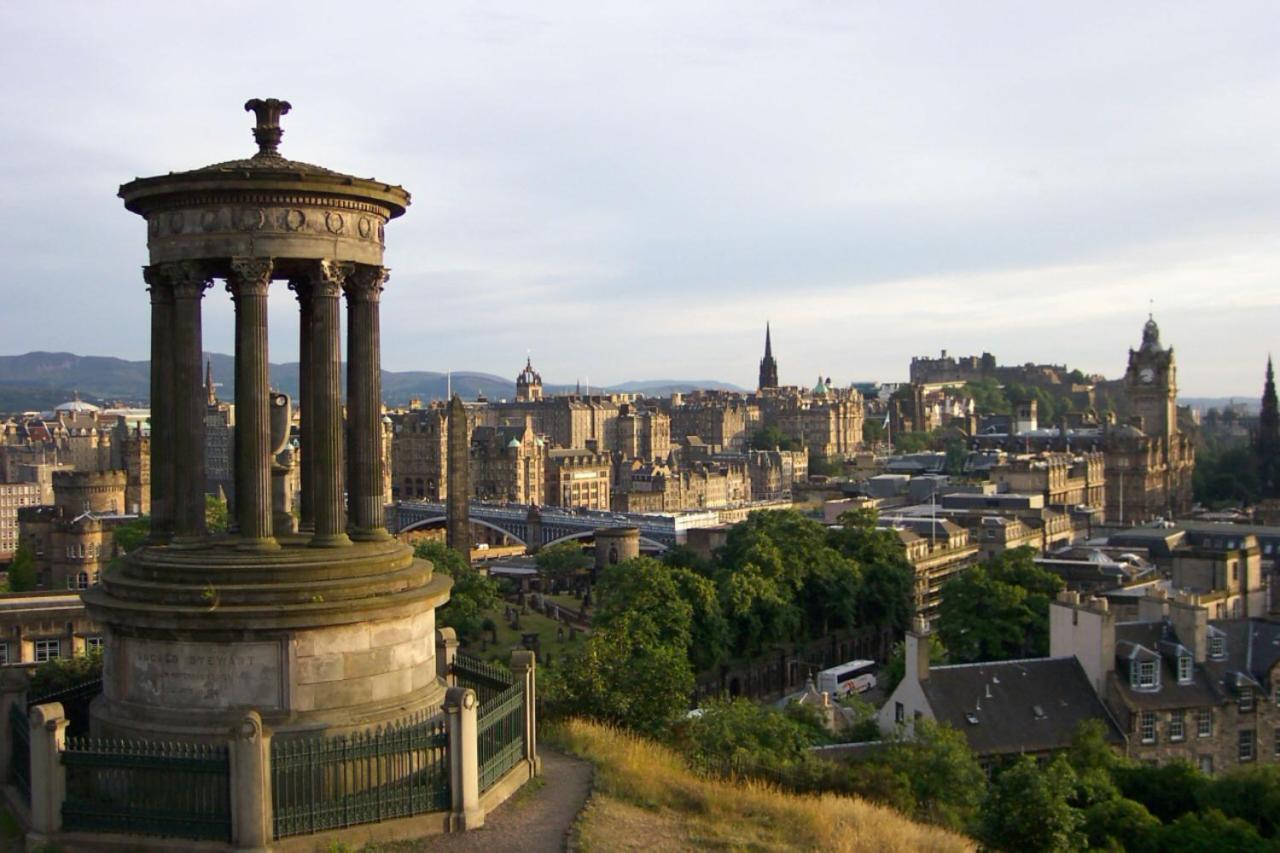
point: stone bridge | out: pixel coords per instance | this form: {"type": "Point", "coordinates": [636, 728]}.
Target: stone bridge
{"type": "Point", "coordinates": [535, 527]}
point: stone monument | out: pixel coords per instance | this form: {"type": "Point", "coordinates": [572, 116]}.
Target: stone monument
{"type": "Point", "coordinates": [324, 630]}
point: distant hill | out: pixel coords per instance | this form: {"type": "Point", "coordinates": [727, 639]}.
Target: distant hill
{"type": "Point", "coordinates": [41, 380]}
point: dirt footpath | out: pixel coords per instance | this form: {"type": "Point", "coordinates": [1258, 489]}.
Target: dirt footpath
{"type": "Point", "coordinates": [531, 821]}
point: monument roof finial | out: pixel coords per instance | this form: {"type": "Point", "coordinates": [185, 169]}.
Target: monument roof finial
{"type": "Point", "coordinates": [267, 133]}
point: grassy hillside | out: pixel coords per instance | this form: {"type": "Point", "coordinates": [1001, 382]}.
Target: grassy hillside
{"type": "Point", "coordinates": [646, 798]}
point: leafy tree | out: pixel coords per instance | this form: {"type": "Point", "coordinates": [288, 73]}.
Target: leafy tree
{"type": "Point", "coordinates": [61, 673]}
{"type": "Point", "coordinates": [215, 514]}
{"type": "Point", "coordinates": [912, 442]}
{"type": "Point", "coordinates": [864, 726]}
{"type": "Point", "coordinates": [999, 610]}
{"type": "Point", "coordinates": [473, 594]}
{"type": "Point", "coordinates": [131, 536]}
{"type": "Point", "coordinates": [872, 431]}
{"type": "Point", "coordinates": [887, 594]}
{"type": "Point", "coordinates": [1120, 824]}
{"type": "Point", "coordinates": [1094, 761]}
{"type": "Point", "coordinates": [945, 780]}
{"type": "Point", "coordinates": [1029, 809]}
{"type": "Point", "coordinates": [560, 562]}
{"type": "Point", "coordinates": [708, 629]}
{"type": "Point", "coordinates": [1169, 791]}
{"type": "Point", "coordinates": [640, 597]}
{"type": "Point", "coordinates": [684, 557]}
{"type": "Point", "coordinates": [627, 681]}
{"type": "Point", "coordinates": [1249, 793]}
{"type": "Point", "coordinates": [1227, 476]}
{"type": "Point", "coordinates": [772, 438]}
{"type": "Point", "coordinates": [988, 397]}
{"type": "Point", "coordinates": [957, 456]}
{"type": "Point", "coordinates": [22, 569]}
{"type": "Point", "coordinates": [1210, 832]}
{"type": "Point", "coordinates": [739, 734]}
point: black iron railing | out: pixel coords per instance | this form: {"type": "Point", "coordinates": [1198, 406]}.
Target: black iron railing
{"type": "Point", "coordinates": [500, 731]}
{"type": "Point", "coordinates": [328, 783]}
{"type": "Point", "coordinates": [180, 790]}
{"type": "Point", "coordinates": [486, 679]}
{"type": "Point", "coordinates": [20, 750]}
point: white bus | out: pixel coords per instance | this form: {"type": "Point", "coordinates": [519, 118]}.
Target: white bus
{"type": "Point", "coordinates": [850, 677]}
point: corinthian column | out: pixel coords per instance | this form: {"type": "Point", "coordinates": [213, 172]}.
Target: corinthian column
{"type": "Point", "coordinates": [326, 405]}
{"type": "Point", "coordinates": [248, 284]}
{"type": "Point", "coordinates": [364, 404]}
{"type": "Point", "coordinates": [306, 514]}
{"type": "Point", "coordinates": [161, 405]}
{"type": "Point", "coordinates": [189, 282]}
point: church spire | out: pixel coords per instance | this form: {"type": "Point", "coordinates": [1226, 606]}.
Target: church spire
{"type": "Point", "coordinates": [211, 396]}
{"type": "Point", "coordinates": [1267, 444]}
{"type": "Point", "coordinates": [768, 366]}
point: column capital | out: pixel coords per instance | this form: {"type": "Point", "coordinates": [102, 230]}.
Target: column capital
{"type": "Point", "coordinates": [157, 284]}
{"type": "Point", "coordinates": [301, 288]}
{"type": "Point", "coordinates": [189, 279]}
{"type": "Point", "coordinates": [250, 276]}
{"type": "Point", "coordinates": [332, 277]}
{"type": "Point", "coordinates": [366, 283]}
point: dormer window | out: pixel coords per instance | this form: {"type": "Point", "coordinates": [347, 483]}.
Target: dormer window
{"type": "Point", "coordinates": [1184, 669]}
{"type": "Point", "coordinates": [1217, 647]}
{"type": "Point", "coordinates": [1144, 675]}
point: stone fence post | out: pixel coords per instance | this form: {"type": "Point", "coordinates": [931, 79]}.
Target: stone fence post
{"type": "Point", "coordinates": [48, 728]}
{"type": "Point", "coordinates": [251, 784]}
{"type": "Point", "coordinates": [524, 666]}
{"type": "Point", "coordinates": [464, 759]}
{"type": "Point", "coordinates": [446, 651]}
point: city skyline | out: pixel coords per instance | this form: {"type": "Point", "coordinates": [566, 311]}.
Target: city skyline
{"type": "Point", "coordinates": [875, 185]}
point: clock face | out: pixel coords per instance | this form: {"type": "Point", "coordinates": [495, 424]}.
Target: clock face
{"type": "Point", "coordinates": [1147, 375]}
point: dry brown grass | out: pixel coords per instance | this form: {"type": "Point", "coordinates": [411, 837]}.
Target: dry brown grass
{"type": "Point", "coordinates": [646, 797]}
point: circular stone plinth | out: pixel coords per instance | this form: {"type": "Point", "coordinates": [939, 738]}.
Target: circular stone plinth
{"type": "Point", "coordinates": [316, 640]}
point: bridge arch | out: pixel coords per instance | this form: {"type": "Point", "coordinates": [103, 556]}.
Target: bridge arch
{"type": "Point", "coordinates": [585, 534]}
{"type": "Point", "coordinates": [426, 522]}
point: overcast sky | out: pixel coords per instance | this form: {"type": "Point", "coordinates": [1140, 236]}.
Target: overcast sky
{"type": "Point", "coordinates": [630, 190]}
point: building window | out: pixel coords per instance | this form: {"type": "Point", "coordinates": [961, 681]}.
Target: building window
{"type": "Point", "coordinates": [82, 580]}
{"type": "Point", "coordinates": [1145, 675]}
{"type": "Point", "coordinates": [1204, 722]}
{"type": "Point", "coordinates": [1246, 700]}
{"type": "Point", "coordinates": [1177, 727]}
{"type": "Point", "coordinates": [1148, 726]}
{"type": "Point", "coordinates": [1244, 742]}
{"type": "Point", "coordinates": [93, 644]}
{"type": "Point", "coordinates": [1184, 669]}
{"type": "Point", "coordinates": [1217, 647]}
{"type": "Point", "coordinates": [4, 653]}
{"type": "Point", "coordinates": [47, 650]}
{"type": "Point", "coordinates": [899, 713]}
{"type": "Point", "coordinates": [1206, 765]}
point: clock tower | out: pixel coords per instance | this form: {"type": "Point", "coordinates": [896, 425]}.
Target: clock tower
{"type": "Point", "coordinates": [1152, 386]}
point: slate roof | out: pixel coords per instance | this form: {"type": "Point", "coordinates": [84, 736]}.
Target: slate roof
{"type": "Point", "coordinates": [1030, 705]}
{"type": "Point", "coordinates": [1252, 649]}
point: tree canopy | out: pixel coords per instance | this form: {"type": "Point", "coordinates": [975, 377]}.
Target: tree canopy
{"type": "Point", "coordinates": [472, 595]}
{"type": "Point", "coordinates": [998, 610]}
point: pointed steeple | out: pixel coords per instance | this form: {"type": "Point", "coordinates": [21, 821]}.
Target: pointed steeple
{"type": "Point", "coordinates": [768, 366]}
{"type": "Point", "coordinates": [1267, 443]}
{"type": "Point", "coordinates": [211, 396]}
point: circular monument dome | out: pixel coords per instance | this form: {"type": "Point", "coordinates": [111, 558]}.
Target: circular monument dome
{"type": "Point", "coordinates": [264, 206]}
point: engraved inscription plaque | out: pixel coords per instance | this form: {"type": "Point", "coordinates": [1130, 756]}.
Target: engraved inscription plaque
{"type": "Point", "coordinates": [203, 675]}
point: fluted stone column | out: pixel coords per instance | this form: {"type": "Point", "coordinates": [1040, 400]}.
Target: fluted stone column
{"type": "Point", "coordinates": [249, 283]}
{"type": "Point", "coordinates": [364, 404]}
{"type": "Point", "coordinates": [189, 282]}
{"type": "Point", "coordinates": [161, 405]}
{"type": "Point", "coordinates": [306, 502]}
{"type": "Point", "coordinates": [326, 403]}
